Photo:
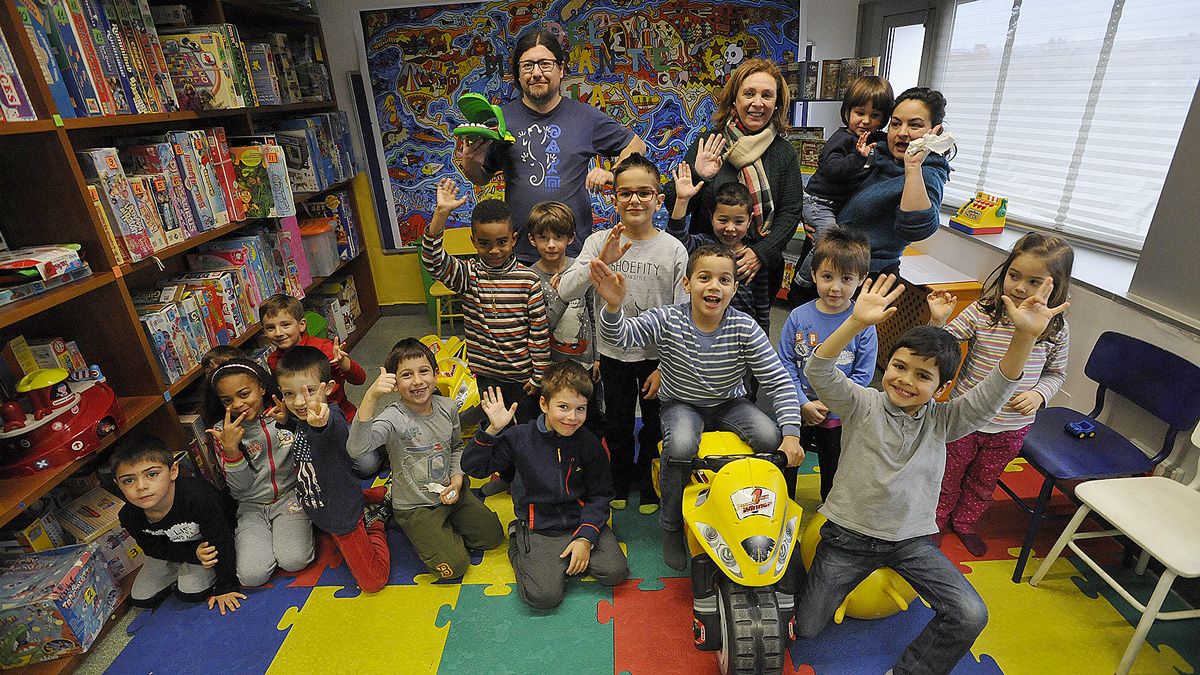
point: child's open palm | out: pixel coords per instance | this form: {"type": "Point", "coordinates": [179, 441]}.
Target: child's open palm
{"type": "Point", "coordinates": [873, 304]}
{"type": "Point", "coordinates": [684, 188]}
{"type": "Point", "coordinates": [498, 416]}
{"type": "Point", "coordinates": [609, 284]}
{"type": "Point", "coordinates": [447, 196]}
{"type": "Point", "coordinates": [613, 248]}
{"type": "Point", "coordinates": [1033, 314]}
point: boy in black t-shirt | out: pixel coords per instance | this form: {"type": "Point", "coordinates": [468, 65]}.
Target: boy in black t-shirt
{"type": "Point", "coordinates": [182, 525]}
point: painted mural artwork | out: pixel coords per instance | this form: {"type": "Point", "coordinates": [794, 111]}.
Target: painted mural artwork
{"type": "Point", "coordinates": [654, 66]}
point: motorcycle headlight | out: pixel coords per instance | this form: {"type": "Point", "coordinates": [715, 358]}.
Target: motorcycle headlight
{"type": "Point", "coordinates": [721, 548]}
{"type": "Point", "coordinates": [786, 537]}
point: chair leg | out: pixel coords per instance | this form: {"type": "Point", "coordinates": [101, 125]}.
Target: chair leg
{"type": "Point", "coordinates": [1143, 561]}
{"type": "Point", "coordinates": [439, 317]}
{"type": "Point", "coordinates": [1035, 520]}
{"type": "Point", "coordinates": [1148, 616]}
{"type": "Point", "coordinates": [1059, 545]}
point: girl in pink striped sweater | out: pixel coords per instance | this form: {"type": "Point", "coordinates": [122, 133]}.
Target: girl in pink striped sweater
{"type": "Point", "coordinates": [974, 463]}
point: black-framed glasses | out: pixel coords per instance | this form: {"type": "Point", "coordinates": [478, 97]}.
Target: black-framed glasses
{"type": "Point", "coordinates": [642, 195]}
{"type": "Point", "coordinates": [544, 65]}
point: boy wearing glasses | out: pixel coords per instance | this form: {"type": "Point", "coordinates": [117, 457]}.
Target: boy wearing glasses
{"type": "Point", "coordinates": [556, 139]}
{"type": "Point", "coordinates": [653, 264]}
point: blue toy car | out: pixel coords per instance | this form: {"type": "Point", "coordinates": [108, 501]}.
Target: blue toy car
{"type": "Point", "coordinates": [1084, 428]}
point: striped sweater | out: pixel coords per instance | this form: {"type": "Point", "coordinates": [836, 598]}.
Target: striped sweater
{"type": "Point", "coordinates": [752, 297]}
{"type": "Point", "coordinates": [737, 346]}
{"type": "Point", "coordinates": [1045, 371]}
{"type": "Point", "coordinates": [504, 313]}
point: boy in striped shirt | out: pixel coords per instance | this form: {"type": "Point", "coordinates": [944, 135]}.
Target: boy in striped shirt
{"type": "Point", "coordinates": [709, 393]}
{"type": "Point", "coordinates": [504, 312]}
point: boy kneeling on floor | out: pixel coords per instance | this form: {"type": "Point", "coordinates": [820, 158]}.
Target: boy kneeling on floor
{"type": "Point", "coordinates": [561, 490]}
{"type": "Point", "coordinates": [183, 526]}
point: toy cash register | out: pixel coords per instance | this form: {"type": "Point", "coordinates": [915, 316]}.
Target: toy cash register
{"type": "Point", "coordinates": [985, 214]}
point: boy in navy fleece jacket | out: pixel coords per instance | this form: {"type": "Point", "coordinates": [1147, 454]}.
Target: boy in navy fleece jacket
{"type": "Point", "coordinates": [560, 491]}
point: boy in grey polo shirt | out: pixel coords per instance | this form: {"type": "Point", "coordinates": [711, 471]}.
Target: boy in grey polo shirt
{"type": "Point", "coordinates": [882, 506]}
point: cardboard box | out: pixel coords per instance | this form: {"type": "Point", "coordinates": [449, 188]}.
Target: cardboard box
{"type": "Point", "coordinates": [58, 599]}
{"type": "Point", "coordinates": [43, 534]}
{"type": "Point", "coordinates": [89, 516]}
{"type": "Point", "coordinates": [120, 552]}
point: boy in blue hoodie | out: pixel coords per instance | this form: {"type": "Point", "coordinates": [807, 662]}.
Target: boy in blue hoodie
{"type": "Point", "coordinates": [561, 489]}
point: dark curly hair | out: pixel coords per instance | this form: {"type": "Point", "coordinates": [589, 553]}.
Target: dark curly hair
{"type": "Point", "coordinates": [932, 98]}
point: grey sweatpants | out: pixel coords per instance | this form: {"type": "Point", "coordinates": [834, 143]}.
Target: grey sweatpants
{"type": "Point", "coordinates": [270, 535]}
{"type": "Point", "coordinates": [157, 575]}
{"type": "Point", "coordinates": [542, 575]}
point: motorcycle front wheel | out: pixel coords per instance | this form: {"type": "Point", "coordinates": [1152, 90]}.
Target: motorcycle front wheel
{"type": "Point", "coordinates": [752, 643]}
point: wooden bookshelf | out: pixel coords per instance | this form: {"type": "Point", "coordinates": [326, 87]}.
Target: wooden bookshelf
{"type": "Point", "coordinates": [49, 203]}
{"type": "Point", "coordinates": [307, 196]}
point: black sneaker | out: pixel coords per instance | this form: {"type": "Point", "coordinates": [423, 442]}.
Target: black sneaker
{"type": "Point", "coordinates": [494, 486]}
{"type": "Point", "coordinates": [377, 513]}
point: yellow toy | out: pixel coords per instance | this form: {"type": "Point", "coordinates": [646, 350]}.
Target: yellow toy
{"type": "Point", "coordinates": [741, 531]}
{"type": "Point", "coordinates": [985, 214]}
{"type": "Point", "coordinates": [455, 381]}
{"type": "Point", "coordinates": [880, 595]}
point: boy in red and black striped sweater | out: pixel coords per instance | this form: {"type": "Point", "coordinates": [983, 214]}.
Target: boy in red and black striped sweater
{"type": "Point", "coordinates": [504, 313]}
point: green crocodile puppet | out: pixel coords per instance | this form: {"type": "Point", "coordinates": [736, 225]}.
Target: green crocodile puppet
{"type": "Point", "coordinates": [484, 120]}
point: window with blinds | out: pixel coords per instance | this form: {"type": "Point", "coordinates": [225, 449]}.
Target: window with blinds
{"type": "Point", "coordinates": [1072, 110]}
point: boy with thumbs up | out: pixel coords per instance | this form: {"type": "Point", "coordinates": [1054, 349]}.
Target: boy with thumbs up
{"type": "Point", "coordinates": [423, 438]}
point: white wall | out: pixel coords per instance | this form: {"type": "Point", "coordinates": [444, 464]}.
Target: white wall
{"type": "Point", "coordinates": [1090, 315]}
{"type": "Point", "coordinates": [832, 27]}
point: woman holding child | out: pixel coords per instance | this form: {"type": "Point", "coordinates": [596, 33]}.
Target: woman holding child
{"type": "Point", "coordinates": [745, 145]}
{"type": "Point", "coordinates": [898, 202]}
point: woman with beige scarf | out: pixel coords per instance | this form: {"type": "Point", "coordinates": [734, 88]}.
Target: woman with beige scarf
{"type": "Point", "coordinates": [745, 144]}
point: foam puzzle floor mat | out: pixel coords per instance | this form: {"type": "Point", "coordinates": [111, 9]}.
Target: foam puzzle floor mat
{"type": "Point", "coordinates": [317, 621]}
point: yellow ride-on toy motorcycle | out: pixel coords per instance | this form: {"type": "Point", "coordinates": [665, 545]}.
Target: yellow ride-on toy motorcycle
{"type": "Point", "coordinates": [742, 529]}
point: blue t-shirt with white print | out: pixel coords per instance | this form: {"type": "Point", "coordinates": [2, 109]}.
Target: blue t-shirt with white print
{"type": "Point", "coordinates": [805, 329]}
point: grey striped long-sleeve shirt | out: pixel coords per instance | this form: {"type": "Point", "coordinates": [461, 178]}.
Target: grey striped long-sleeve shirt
{"type": "Point", "coordinates": [706, 369]}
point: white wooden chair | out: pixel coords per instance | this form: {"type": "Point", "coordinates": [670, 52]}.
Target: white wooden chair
{"type": "Point", "coordinates": [1159, 515]}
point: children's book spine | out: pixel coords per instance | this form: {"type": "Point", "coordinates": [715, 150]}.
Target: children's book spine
{"type": "Point", "coordinates": [14, 100]}
{"type": "Point", "coordinates": [121, 15]}
{"type": "Point", "coordinates": [208, 176]}
{"type": "Point", "coordinates": [148, 211]}
{"type": "Point", "coordinates": [90, 56]}
{"type": "Point", "coordinates": [176, 191]}
{"type": "Point", "coordinates": [110, 63]}
{"type": "Point", "coordinates": [162, 77]}
{"type": "Point", "coordinates": [160, 186]}
{"type": "Point", "coordinates": [102, 166]}
{"type": "Point", "coordinates": [68, 56]}
{"type": "Point", "coordinates": [114, 242]}
{"type": "Point", "coordinates": [219, 146]}
{"type": "Point", "coordinates": [189, 173]}
{"type": "Point", "coordinates": [37, 28]}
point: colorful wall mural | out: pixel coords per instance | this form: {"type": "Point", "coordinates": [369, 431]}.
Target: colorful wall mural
{"type": "Point", "coordinates": [654, 66]}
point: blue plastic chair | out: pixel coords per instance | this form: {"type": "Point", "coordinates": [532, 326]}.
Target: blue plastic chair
{"type": "Point", "coordinates": [1161, 383]}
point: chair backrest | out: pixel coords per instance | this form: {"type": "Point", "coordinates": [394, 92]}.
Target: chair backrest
{"type": "Point", "coordinates": [1165, 385]}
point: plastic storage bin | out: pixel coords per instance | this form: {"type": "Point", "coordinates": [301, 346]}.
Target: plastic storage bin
{"type": "Point", "coordinates": [320, 246]}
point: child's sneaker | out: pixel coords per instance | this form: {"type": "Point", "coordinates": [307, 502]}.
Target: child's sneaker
{"type": "Point", "coordinates": [378, 512]}
{"type": "Point", "coordinates": [494, 487]}
{"type": "Point", "coordinates": [974, 545]}
{"type": "Point", "coordinates": [649, 503]}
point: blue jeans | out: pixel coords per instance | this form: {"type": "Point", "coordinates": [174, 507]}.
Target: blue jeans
{"type": "Point", "coordinates": [682, 424]}
{"type": "Point", "coordinates": [819, 214]}
{"type": "Point", "coordinates": [844, 558]}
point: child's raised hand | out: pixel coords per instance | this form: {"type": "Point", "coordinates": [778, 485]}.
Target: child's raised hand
{"type": "Point", "coordinates": [941, 306]}
{"type": "Point", "coordinates": [341, 359]}
{"type": "Point", "coordinates": [613, 248]}
{"type": "Point", "coordinates": [278, 411]}
{"type": "Point", "coordinates": [710, 156]}
{"type": "Point", "coordinates": [684, 188]}
{"type": "Point", "coordinates": [230, 435]}
{"type": "Point", "coordinates": [447, 196]}
{"type": "Point", "coordinates": [499, 417]}
{"type": "Point", "coordinates": [609, 284]}
{"type": "Point", "coordinates": [384, 384]}
{"type": "Point", "coordinates": [1033, 314]}
{"type": "Point", "coordinates": [873, 304]}
{"type": "Point", "coordinates": [226, 601]}
{"type": "Point", "coordinates": [207, 554]}
{"type": "Point", "coordinates": [316, 408]}
{"type": "Point", "coordinates": [580, 552]}
{"type": "Point", "coordinates": [862, 146]}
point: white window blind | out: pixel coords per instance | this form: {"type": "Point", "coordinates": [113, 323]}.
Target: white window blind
{"type": "Point", "coordinates": [1072, 110]}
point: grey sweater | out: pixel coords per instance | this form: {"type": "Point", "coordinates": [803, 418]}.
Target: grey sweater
{"type": "Point", "coordinates": [423, 449]}
{"type": "Point", "coordinates": [890, 472]}
{"type": "Point", "coordinates": [266, 469]}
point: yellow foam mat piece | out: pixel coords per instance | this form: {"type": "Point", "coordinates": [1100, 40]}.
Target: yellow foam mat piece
{"type": "Point", "coordinates": [1089, 633]}
{"type": "Point", "coordinates": [328, 634]}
